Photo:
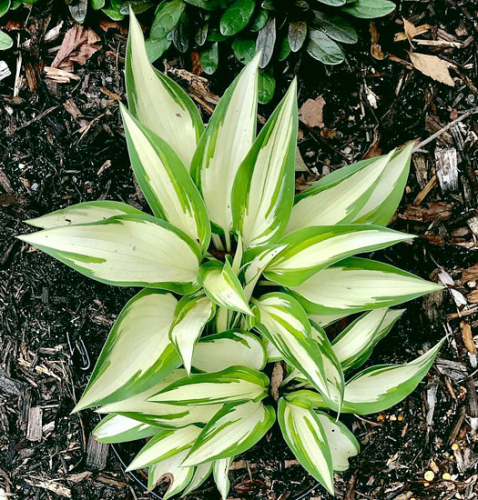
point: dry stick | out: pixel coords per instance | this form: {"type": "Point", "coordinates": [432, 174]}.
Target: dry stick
{"type": "Point", "coordinates": [445, 128]}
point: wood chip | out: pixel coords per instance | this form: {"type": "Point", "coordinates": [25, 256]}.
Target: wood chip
{"type": "Point", "coordinates": [35, 425]}
{"type": "Point", "coordinates": [96, 454]}
{"type": "Point", "coordinates": [432, 66]}
{"type": "Point", "coordinates": [52, 486]}
{"type": "Point", "coordinates": [411, 31]}
{"type": "Point", "coordinates": [447, 168]}
{"type": "Point", "coordinates": [467, 337]}
{"type": "Point", "coordinates": [470, 274]}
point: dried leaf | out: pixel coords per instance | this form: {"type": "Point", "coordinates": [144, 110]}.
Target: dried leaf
{"type": "Point", "coordinates": [467, 337]}
{"type": "Point", "coordinates": [311, 112]}
{"type": "Point", "coordinates": [411, 31]}
{"type": "Point", "coordinates": [78, 46]}
{"type": "Point", "coordinates": [432, 66]}
{"type": "Point", "coordinates": [376, 49]}
{"type": "Point", "coordinates": [470, 274]}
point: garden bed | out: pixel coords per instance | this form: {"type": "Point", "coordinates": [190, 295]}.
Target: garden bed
{"type": "Point", "coordinates": [62, 143]}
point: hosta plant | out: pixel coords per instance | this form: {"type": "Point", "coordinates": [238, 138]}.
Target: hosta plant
{"type": "Point", "coordinates": [239, 278]}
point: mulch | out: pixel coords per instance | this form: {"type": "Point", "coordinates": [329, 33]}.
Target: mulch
{"type": "Point", "coordinates": [61, 142]}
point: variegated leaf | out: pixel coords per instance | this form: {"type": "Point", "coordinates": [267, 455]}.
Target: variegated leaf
{"type": "Point", "coordinates": [137, 353]}
{"type": "Point", "coordinates": [338, 197]}
{"type": "Point", "coordinates": [191, 316]}
{"type": "Point", "coordinates": [385, 198]}
{"type": "Point", "coordinates": [380, 387]}
{"type": "Point", "coordinates": [312, 249]}
{"type": "Point", "coordinates": [355, 285]}
{"type": "Point", "coordinates": [166, 444]}
{"type": "Point", "coordinates": [355, 344]}
{"type": "Point", "coordinates": [256, 263]}
{"type": "Point", "coordinates": [215, 353]}
{"type": "Point", "coordinates": [158, 102]}
{"type": "Point", "coordinates": [306, 437]}
{"type": "Point", "coordinates": [376, 388]}
{"type": "Point", "coordinates": [263, 190]}
{"type": "Point", "coordinates": [342, 443]}
{"type": "Point", "coordinates": [223, 287]}
{"type": "Point", "coordinates": [160, 414]}
{"type": "Point", "coordinates": [165, 182]}
{"type": "Point", "coordinates": [223, 146]}
{"type": "Point", "coordinates": [284, 323]}
{"type": "Point", "coordinates": [91, 211]}
{"type": "Point", "coordinates": [127, 250]}
{"type": "Point", "coordinates": [233, 430]}
{"type": "Point", "coordinates": [231, 385]}
{"type": "Point", "coordinates": [221, 476]}
{"type": "Point", "coordinates": [120, 429]}
{"type": "Point", "coordinates": [179, 477]}
{"type": "Point", "coordinates": [201, 473]}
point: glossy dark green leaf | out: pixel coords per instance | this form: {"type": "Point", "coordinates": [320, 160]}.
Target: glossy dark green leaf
{"type": "Point", "coordinates": [266, 40]}
{"type": "Point", "coordinates": [208, 4]}
{"type": "Point", "coordinates": [5, 41]}
{"type": "Point", "coordinates": [333, 3]}
{"type": "Point", "coordinates": [138, 6]}
{"type": "Point", "coordinates": [181, 33]}
{"type": "Point", "coordinates": [215, 36]}
{"type": "Point", "coordinates": [297, 35]}
{"type": "Point", "coordinates": [324, 49]}
{"type": "Point", "coordinates": [97, 4]}
{"type": "Point", "coordinates": [210, 59]}
{"type": "Point", "coordinates": [369, 9]}
{"type": "Point", "coordinates": [267, 86]}
{"type": "Point", "coordinates": [78, 10]}
{"type": "Point", "coordinates": [244, 49]}
{"type": "Point", "coordinates": [201, 35]}
{"type": "Point", "coordinates": [156, 48]}
{"type": "Point", "coordinates": [166, 18]}
{"type": "Point", "coordinates": [260, 20]}
{"type": "Point", "coordinates": [237, 17]}
{"type": "Point", "coordinates": [285, 51]}
{"type": "Point", "coordinates": [336, 27]}
{"type": "Point", "coordinates": [114, 14]}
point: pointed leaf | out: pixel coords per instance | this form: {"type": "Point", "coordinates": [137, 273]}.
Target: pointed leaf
{"type": "Point", "coordinates": [217, 352]}
{"type": "Point", "coordinates": [137, 353]}
{"type": "Point", "coordinates": [284, 323]}
{"type": "Point", "coordinates": [233, 430]}
{"type": "Point", "coordinates": [380, 387]}
{"type": "Point", "coordinates": [225, 143]}
{"type": "Point", "coordinates": [234, 384]}
{"type": "Point", "coordinates": [165, 182]}
{"type": "Point", "coordinates": [263, 189]}
{"type": "Point", "coordinates": [159, 414]}
{"type": "Point", "coordinates": [158, 102]}
{"type": "Point", "coordinates": [82, 213]}
{"type": "Point", "coordinates": [305, 435]}
{"type": "Point", "coordinates": [342, 443]}
{"type": "Point", "coordinates": [312, 249]}
{"type": "Point", "coordinates": [192, 315]}
{"type": "Point", "coordinates": [223, 287]}
{"type": "Point", "coordinates": [355, 344]}
{"type": "Point", "coordinates": [385, 198]}
{"type": "Point", "coordinates": [221, 476]}
{"type": "Point", "coordinates": [201, 473]}
{"type": "Point", "coordinates": [166, 444]}
{"type": "Point", "coordinates": [338, 197]}
{"type": "Point", "coordinates": [355, 285]}
{"type": "Point", "coordinates": [120, 429]}
{"type": "Point", "coordinates": [179, 477]}
{"type": "Point", "coordinates": [127, 250]}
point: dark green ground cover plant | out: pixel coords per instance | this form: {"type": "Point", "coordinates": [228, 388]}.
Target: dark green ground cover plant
{"type": "Point", "coordinates": [5, 6]}
{"type": "Point", "coordinates": [239, 279]}
{"type": "Point", "coordinates": [218, 28]}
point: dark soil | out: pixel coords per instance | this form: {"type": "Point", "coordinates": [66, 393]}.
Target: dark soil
{"type": "Point", "coordinates": [53, 321]}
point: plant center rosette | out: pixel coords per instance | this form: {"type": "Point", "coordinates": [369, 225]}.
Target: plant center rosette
{"type": "Point", "coordinates": [239, 279]}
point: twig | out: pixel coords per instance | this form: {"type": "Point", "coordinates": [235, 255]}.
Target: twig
{"type": "Point", "coordinates": [445, 128]}
{"type": "Point", "coordinates": [39, 117]}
